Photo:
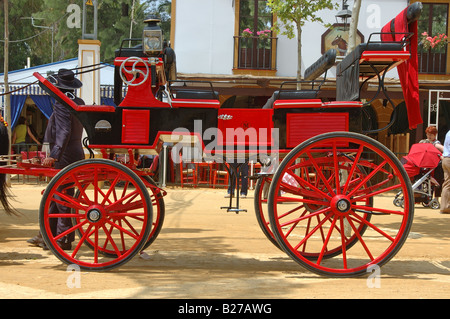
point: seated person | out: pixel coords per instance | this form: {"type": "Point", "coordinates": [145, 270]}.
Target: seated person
{"type": "Point", "coordinates": [431, 133]}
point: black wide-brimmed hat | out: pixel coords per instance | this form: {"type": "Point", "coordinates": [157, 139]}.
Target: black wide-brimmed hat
{"type": "Point", "coordinates": [66, 80]}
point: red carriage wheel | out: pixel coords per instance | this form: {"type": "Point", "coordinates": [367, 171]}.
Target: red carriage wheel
{"type": "Point", "coordinates": [323, 202]}
{"type": "Point", "coordinates": [105, 202]}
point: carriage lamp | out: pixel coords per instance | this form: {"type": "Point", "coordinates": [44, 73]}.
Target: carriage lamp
{"type": "Point", "coordinates": [344, 14]}
{"type": "Point", "coordinates": [152, 37]}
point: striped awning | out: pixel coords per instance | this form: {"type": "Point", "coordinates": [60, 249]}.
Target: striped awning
{"type": "Point", "coordinates": [106, 91]}
{"type": "Point", "coordinates": [23, 89]}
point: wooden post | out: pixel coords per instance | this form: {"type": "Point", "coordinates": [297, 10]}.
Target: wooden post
{"type": "Point", "coordinates": [7, 106]}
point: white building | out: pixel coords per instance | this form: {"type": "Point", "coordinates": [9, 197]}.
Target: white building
{"type": "Point", "coordinates": [207, 37]}
{"type": "Point", "coordinates": [204, 31]}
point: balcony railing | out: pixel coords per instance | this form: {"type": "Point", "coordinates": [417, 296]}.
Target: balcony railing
{"type": "Point", "coordinates": [255, 53]}
{"type": "Point", "coordinates": [432, 62]}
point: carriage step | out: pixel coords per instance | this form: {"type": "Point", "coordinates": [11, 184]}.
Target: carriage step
{"type": "Point", "coordinates": [233, 209]}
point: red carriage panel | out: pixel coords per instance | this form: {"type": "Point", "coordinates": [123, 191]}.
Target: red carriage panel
{"type": "Point", "coordinates": [312, 124]}
{"type": "Point", "coordinates": [256, 123]}
{"type": "Point", "coordinates": [138, 74]}
{"type": "Point", "coordinates": [135, 126]}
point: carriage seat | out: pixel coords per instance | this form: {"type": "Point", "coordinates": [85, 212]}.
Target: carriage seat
{"type": "Point", "coordinates": [357, 53]}
{"type": "Point", "coordinates": [196, 95]}
{"type": "Point", "coordinates": [295, 95]}
{"type": "Point", "coordinates": [196, 99]}
{"type": "Point", "coordinates": [325, 62]}
{"type": "Point", "coordinates": [294, 98]}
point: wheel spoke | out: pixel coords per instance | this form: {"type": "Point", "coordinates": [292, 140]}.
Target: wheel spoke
{"type": "Point", "coordinates": [112, 187]}
{"type": "Point", "coordinates": [69, 201]}
{"type": "Point", "coordinates": [361, 240]}
{"type": "Point", "coordinates": [319, 172]}
{"type": "Point", "coordinates": [353, 168]}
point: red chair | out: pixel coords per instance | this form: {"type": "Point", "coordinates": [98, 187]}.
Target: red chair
{"type": "Point", "coordinates": [188, 175]}
{"type": "Point", "coordinates": [220, 176]}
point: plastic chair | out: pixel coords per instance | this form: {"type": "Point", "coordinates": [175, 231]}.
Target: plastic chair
{"type": "Point", "coordinates": [187, 175]}
{"type": "Point", "coordinates": [220, 177]}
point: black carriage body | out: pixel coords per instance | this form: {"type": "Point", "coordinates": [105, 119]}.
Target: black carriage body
{"type": "Point", "coordinates": [140, 127]}
{"type": "Point", "coordinates": [126, 127]}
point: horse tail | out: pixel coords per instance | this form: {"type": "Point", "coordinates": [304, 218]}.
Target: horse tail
{"type": "Point", "coordinates": [4, 193]}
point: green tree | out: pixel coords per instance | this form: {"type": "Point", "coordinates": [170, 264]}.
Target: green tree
{"type": "Point", "coordinates": [115, 20]}
{"type": "Point", "coordinates": [23, 37]}
{"type": "Point", "coordinates": [293, 14]}
{"type": "Point", "coordinates": [114, 24]}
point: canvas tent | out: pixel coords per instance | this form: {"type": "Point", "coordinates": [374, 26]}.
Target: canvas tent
{"type": "Point", "coordinates": [20, 80]}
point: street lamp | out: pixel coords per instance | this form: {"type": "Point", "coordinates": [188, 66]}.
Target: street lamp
{"type": "Point", "coordinates": [344, 14]}
{"type": "Point", "coordinates": [152, 37]}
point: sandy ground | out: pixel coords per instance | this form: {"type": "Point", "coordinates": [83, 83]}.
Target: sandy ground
{"type": "Point", "coordinates": [205, 252]}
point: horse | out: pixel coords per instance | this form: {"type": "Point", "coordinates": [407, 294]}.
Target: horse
{"type": "Point", "coordinates": [341, 44]}
{"type": "Point", "coordinates": [4, 148]}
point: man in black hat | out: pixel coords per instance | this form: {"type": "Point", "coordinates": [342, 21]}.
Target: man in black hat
{"type": "Point", "coordinates": [64, 134]}
{"type": "Point", "coordinates": [64, 131]}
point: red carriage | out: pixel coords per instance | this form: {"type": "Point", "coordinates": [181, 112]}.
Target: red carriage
{"type": "Point", "coordinates": [316, 194]}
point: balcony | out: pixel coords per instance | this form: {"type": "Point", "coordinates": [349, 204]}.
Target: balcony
{"type": "Point", "coordinates": [432, 62]}
{"type": "Point", "coordinates": [255, 53]}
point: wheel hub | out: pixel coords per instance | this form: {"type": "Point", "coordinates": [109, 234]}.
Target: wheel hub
{"type": "Point", "coordinates": [94, 215]}
{"type": "Point", "coordinates": [340, 204]}
{"type": "Point", "coordinates": [343, 205]}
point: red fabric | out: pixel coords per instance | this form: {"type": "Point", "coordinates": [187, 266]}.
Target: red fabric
{"type": "Point", "coordinates": [408, 71]}
{"type": "Point", "coordinates": [411, 169]}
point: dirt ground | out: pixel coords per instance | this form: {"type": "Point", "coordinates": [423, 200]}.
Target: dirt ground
{"type": "Point", "coordinates": [205, 252]}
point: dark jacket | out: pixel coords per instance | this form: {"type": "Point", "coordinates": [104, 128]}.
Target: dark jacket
{"type": "Point", "coordinates": [64, 133]}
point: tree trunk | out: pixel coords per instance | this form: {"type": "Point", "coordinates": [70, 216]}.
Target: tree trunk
{"type": "Point", "coordinates": [353, 32]}
{"type": "Point", "coordinates": [299, 55]}
{"type": "Point", "coordinates": [7, 109]}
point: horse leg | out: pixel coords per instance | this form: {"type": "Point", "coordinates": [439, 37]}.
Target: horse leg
{"type": "Point", "coordinates": [4, 148]}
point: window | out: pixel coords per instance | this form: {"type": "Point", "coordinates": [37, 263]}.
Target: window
{"type": "Point", "coordinates": [254, 43]}
{"type": "Point", "coordinates": [433, 20]}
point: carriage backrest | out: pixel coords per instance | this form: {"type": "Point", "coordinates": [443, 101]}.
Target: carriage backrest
{"type": "Point", "coordinates": [54, 92]}
{"type": "Point", "coordinates": [185, 96]}
{"type": "Point", "coordinates": [325, 62]}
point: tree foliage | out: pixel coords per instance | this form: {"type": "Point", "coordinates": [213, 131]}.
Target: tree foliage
{"type": "Point", "coordinates": [292, 16]}
{"type": "Point", "coordinates": [114, 24]}
{"type": "Point", "coordinates": [295, 13]}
